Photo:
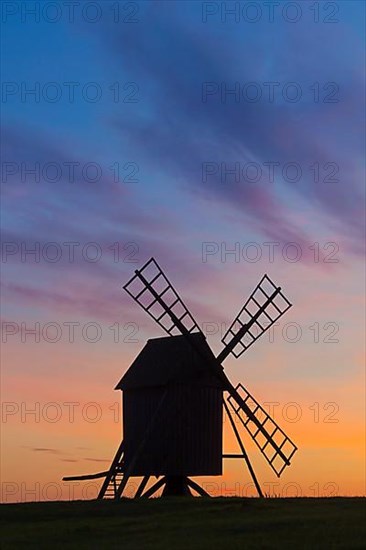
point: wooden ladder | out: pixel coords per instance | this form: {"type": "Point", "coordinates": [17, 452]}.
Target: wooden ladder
{"type": "Point", "coordinates": [109, 489]}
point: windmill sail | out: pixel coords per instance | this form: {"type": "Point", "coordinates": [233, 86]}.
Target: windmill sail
{"type": "Point", "coordinates": [277, 448]}
{"type": "Point", "coordinates": [150, 288]}
{"type": "Point", "coordinates": [263, 308]}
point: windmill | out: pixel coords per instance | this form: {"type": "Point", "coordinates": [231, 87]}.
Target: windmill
{"type": "Point", "coordinates": [173, 395]}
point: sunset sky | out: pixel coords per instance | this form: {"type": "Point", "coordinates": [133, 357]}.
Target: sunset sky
{"type": "Point", "coordinates": [135, 122]}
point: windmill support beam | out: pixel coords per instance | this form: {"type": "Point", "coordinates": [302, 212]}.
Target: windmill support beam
{"type": "Point", "coordinates": [173, 487]}
{"type": "Point", "coordinates": [200, 490]}
{"type": "Point", "coordinates": [86, 476]}
{"type": "Point", "coordinates": [246, 458]}
{"type": "Point", "coordinates": [176, 486]}
{"type": "Point", "coordinates": [141, 487]}
{"type": "Point", "coordinates": [233, 456]}
{"type": "Point", "coordinates": [154, 488]}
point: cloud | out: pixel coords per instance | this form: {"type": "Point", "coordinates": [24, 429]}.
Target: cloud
{"type": "Point", "coordinates": [45, 450]}
{"type": "Point", "coordinates": [172, 132]}
{"type": "Point", "coordinates": [97, 459]}
{"type": "Point", "coordinates": [124, 229]}
{"type": "Point", "coordinates": [176, 132]}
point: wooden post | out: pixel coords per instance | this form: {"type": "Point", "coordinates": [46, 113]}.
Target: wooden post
{"type": "Point", "coordinates": [246, 458]}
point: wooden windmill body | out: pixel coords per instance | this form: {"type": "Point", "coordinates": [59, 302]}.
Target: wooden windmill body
{"type": "Point", "coordinates": [188, 439]}
{"type": "Point", "coordinates": [174, 396]}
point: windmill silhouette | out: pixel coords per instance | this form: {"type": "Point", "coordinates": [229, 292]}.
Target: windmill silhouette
{"type": "Point", "coordinates": [173, 395]}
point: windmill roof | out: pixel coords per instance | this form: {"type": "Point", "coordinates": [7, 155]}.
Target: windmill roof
{"type": "Point", "coordinates": [170, 359]}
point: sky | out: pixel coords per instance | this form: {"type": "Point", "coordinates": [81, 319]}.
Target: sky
{"type": "Point", "coordinates": [226, 145]}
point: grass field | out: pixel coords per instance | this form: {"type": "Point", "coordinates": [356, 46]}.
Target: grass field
{"type": "Point", "coordinates": [185, 523]}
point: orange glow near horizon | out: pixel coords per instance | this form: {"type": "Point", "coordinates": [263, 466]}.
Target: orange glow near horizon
{"type": "Point", "coordinates": [63, 417]}
{"type": "Point", "coordinates": [52, 429]}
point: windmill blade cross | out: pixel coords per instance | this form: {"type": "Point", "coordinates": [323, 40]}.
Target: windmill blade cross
{"type": "Point", "coordinates": [264, 307]}
{"type": "Point", "coordinates": [251, 415]}
{"type": "Point", "coordinates": [274, 444]}
{"type": "Point", "coordinates": [151, 289]}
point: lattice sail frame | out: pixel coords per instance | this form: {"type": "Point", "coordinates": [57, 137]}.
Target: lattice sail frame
{"type": "Point", "coordinates": [277, 435]}
{"type": "Point", "coordinates": [159, 288]}
{"type": "Point", "coordinates": [263, 308]}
